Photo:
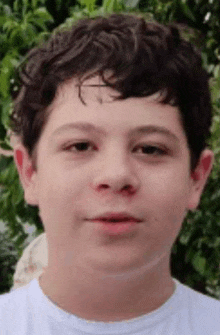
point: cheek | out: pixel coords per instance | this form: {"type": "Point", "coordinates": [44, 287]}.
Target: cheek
{"type": "Point", "coordinates": [59, 194]}
{"type": "Point", "coordinates": [167, 196]}
{"type": "Point", "coordinates": [60, 181]}
{"type": "Point", "coordinates": [169, 185]}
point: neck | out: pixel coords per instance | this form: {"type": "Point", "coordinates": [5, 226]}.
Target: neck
{"type": "Point", "coordinates": [108, 297]}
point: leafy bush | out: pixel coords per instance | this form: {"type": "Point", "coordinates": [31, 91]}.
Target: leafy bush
{"type": "Point", "coordinates": [8, 259]}
{"type": "Point", "coordinates": [25, 23]}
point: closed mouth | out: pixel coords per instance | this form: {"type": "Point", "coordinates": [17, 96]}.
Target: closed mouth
{"type": "Point", "coordinates": [116, 218]}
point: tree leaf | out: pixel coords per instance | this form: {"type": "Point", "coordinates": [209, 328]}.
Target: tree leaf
{"type": "Point", "coordinates": [131, 3]}
{"type": "Point", "coordinates": [199, 263]}
{"type": "Point", "coordinates": [6, 111]}
{"type": "Point", "coordinates": [90, 4]}
{"type": "Point", "coordinates": [43, 14]}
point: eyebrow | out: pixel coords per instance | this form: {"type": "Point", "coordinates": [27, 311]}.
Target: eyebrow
{"type": "Point", "coordinates": [89, 127]}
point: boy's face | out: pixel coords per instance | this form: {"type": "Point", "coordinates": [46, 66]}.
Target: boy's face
{"type": "Point", "coordinates": [134, 159]}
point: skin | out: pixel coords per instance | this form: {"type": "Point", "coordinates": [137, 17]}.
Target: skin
{"type": "Point", "coordinates": [91, 274]}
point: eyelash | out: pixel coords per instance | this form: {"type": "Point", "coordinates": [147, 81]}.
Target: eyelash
{"type": "Point", "coordinates": [151, 149]}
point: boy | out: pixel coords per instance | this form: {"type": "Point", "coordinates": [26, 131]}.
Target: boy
{"type": "Point", "coordinates": [113, 117]}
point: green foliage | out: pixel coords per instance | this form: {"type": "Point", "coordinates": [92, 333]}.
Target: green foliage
{"type": "Point", "coordinates": [25, 23]}
{"type": "Point", "coordinates": [22, 26]}
{"type": "Point", "coordinates": [8, 258]}
{"type": "Point", "coordinates": [196, 253]}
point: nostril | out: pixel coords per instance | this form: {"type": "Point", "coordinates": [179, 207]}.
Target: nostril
{"type": "Point", "coordinates": [104, 186]}
{"type": "Point", "coordinates": [127, 187]}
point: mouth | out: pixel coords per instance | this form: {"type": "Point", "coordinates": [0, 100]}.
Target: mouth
{"type": "Point", "coordinates": [115, 218]}
{"type": "Point", "coordinates": [116, 223]}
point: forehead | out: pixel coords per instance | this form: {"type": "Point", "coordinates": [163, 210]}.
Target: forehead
{"type": "Point", "coordinates": [101, 110]}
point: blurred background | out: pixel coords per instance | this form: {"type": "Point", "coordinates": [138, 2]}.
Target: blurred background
{"type": "Point", "coordinates": [25, 23]}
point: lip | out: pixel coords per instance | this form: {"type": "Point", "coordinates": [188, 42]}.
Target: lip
{"type": "Point", "coordinates": [116, 223]}
{"type": "Point", "coordinates": [116, 217]}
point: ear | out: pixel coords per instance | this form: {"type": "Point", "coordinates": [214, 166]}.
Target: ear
{"type": "Point", "coordinates": [27, 174]}
{"type": "Point", "coordinates": [199, 177]}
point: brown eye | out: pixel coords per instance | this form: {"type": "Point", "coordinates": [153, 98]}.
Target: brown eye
{"type": "Point", "coordinates": [83, 146]}
{"type": "Point", "coordinates": [80, 147]}
{"type": "Point", "coordinates": [150, 150]}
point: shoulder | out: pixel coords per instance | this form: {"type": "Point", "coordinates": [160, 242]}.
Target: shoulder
{"type": "Point", "coordinates": [13, 299]}
{"type": "Point", "coordinates": [14, 308]}
{"type": "Point", "coordinates": [201, 301]}
{"type": "Point", "coordinates": [204, 311]}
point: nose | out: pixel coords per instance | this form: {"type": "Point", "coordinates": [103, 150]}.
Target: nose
{"type": "Point", "coordinates": [116, 175]}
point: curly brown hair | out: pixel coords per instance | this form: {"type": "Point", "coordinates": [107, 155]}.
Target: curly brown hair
{"type": "Point", "coordinates": [142, 57]}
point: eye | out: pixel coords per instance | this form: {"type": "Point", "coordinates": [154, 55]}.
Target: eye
{"type": "Point", "coordinates": [79, 147]}
{"type": "Point", "coordinates": [150, 150]}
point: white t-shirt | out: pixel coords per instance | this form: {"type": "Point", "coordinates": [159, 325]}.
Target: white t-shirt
{"type": "Point", "coordinates": [27, 311]}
